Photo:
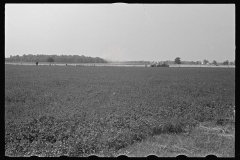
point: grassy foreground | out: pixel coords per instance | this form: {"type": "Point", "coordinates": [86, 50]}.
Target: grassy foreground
{"type": "Point", "coordinates": [79, 111]}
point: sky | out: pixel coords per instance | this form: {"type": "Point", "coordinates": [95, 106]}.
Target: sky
{"type": "Point", "coordinates": [122, 32]}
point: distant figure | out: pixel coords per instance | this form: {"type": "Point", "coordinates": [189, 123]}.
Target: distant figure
{"type": "Point", "coordinates": [36, 63]}
{"type": "Point", "coordinates": [66, 64]}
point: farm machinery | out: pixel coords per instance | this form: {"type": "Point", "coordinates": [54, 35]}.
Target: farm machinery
{"type": "Point", "coordinates": [159, 64]}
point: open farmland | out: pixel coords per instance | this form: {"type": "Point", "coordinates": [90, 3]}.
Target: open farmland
{"type": "Point", "coordinates": [77, 111]}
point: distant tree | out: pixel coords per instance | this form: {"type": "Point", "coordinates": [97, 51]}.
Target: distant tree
{"type": "Point", "coordinates": [205, 61]}
{"type": "Point", "coordinates": [231, 63]}
{"type": "Point", "coordinates": [177, 60]}
{"type": "Point", "coordinates": [56, 58]}
{"type": "Point", "coordinates": [225, 62]}
{"type": "Point", "coordinates": [17, 58]}
{"type": "Point", "coordinates": [198, 62]}
{"type": "Point", "coordinates": [214, 62]}
{"type": "Point", "coordinates": [50, 60]}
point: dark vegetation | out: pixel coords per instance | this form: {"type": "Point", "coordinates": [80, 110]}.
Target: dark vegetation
{"type": "Point", "coordinates": [54, 111]}
{"type": "Point", "coordinates": [55, 58]}
{"type": "Point", "coordinates": [177, 60]}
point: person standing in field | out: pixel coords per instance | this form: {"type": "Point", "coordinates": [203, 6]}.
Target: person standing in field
{"type": "Point", "coordinates": [36, 63]}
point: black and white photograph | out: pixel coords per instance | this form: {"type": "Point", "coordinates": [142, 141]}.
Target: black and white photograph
{"type": "Point", "coordinates": [119, 79]}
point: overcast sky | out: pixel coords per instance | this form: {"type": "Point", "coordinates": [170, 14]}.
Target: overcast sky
{"type": "Point", "coordinates": [151, 32]}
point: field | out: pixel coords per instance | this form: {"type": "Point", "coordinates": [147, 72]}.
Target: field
{"type": "Point", "coordinates": [79, 111]}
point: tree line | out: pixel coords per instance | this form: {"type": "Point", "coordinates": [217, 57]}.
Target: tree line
{"type": "Point", "coordinates": [178, 61]}
{"type": "Point", "coordinates": [56, 58]}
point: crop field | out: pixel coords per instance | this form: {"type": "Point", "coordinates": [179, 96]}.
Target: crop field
{"type": "Point", "coordinates": [79, 111]}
